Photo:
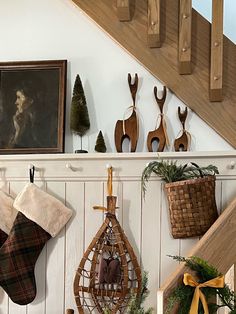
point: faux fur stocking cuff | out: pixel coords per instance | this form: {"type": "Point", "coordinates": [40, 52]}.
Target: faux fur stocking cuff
{"type": "Point", "coordinates": [7, 212]}
{"type": "Point", "coordinates": [42, 208]}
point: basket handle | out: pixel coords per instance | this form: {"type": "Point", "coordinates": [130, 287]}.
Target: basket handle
{"type": "Point", "coordinates": [198, 168]}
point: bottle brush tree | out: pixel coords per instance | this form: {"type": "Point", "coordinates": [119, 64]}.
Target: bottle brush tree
{"type": "Point", "coordinates": [79, 116]}
{"type": "Point", "coordinates": [100, 146]}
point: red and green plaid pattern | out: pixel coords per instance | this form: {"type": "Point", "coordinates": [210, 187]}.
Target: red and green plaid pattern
{"type": "Point", "coordinates": [3, 237]}
{"type": "Point", "coordinates": [18, 256]}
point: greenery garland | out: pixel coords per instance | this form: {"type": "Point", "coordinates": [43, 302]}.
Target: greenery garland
{"type": "Point", "coordinates": [183, 295]}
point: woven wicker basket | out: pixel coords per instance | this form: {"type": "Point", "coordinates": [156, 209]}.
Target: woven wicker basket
{"type": "Point", "coordinates": [192, 206]}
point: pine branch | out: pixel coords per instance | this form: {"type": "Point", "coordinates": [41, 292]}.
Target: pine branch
{"type": "Point", "coordinates": [135, 305]}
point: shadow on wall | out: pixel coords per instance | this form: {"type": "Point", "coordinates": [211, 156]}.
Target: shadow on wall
{"type": "Point", "coordinates": [68, 134]}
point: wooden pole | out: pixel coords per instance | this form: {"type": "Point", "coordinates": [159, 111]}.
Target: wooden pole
{"type": "Point", "coordinates": [154, 23]}
{"type": "Point", "coordinates": [185, 32]}
{"type": "Point", "coordinates": [123, 10]}
{"type": "Point", "coordinates": [216, 75]}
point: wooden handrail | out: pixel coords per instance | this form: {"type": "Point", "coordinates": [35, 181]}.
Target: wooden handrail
{"type": "Point", "coordinates": [217, 246]}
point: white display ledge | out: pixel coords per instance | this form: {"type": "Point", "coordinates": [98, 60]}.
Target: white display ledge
{"type": "Point", "coordinates": [106, 156]}
{"type": "Point", "coordinates": [94, 166]}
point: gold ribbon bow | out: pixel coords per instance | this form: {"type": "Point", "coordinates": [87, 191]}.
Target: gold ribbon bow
{"type": "Point", "coordinates": [217, 282]}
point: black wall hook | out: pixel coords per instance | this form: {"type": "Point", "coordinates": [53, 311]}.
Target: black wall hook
{"type": "Point", "coordinates": [31, 173]}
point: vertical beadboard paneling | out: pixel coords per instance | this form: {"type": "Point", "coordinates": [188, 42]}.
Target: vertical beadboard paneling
{"type": "Point", "coordinates": [228, 192]}
{"type": "Point", "coordinates": [169, 246]}
{"type": "Point", "coordinates": [74, 238]}
{"type": "Point", "coordinates": [132, 214]}
{"type": "Point", "coordinates": [93, 218]}
{"type": "Point", "coordinates": [3, 296]}
{"type": "Point", "coordinates": [3, 302]}
{"type": "Point", "coordinates": [55, 260]}
{"type": "Point", "coordinates": [146, 224]}
{"type": "Point", "coordinates": [150, 251]}
{"type": "Point", "coordinates": [186, 245]}
{"type": "Point", "coordinates": [38, 305]}
{"type": "Point", "coordinates": [218, 194]}
{"type": "Point", "coordinates": [94, 195]}
{"type": "Point", "coordinates": [15, 188]}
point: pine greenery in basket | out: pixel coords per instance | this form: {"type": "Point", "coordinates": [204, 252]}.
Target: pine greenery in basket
{"type": "Point", "coordinates": [170, 171]}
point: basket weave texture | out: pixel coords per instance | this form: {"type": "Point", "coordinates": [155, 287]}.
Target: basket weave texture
{"type": "Point", "coordinates": [192, 206]}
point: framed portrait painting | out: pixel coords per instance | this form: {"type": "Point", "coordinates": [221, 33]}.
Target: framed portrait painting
{"type": "Point", "coordinates": [32, 106]}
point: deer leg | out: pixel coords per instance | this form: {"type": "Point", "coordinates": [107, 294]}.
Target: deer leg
{"type": "Point", "coordinates": [159, 136]}
{"type": "Point", "coordinates": [181, 143]}
{"type": "Point", "coordinates": [119, 135]}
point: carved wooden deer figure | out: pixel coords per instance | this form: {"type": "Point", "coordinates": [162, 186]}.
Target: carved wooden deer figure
{"type": "Point", "coordinates": [181, 143]}
{"type": "Point", "coordinates": [128, 128]}
{"type": "Point", "coordinates": [159, 134]}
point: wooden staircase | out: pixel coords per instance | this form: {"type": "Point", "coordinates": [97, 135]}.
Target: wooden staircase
{"type": "Point", "coordinates": [217, 246]}
{"type": "Point", "coordinates": [162, 62]}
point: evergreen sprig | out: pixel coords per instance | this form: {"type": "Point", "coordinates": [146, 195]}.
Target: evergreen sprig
{"type": "Point", "coordinates": [169, 171]}
{"type": "Point", "coordinates": [135, 305]}
{"type": "Point", "coordinates": [183, 295]}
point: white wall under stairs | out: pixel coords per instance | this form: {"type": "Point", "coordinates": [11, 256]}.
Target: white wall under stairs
{"type": "Point", "coordinates": [83, 185]}
{"type": "Point", "coordinates": [57, 29]}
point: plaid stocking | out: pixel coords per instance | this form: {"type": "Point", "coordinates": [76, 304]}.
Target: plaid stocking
{"type": "Point", "coordinates": [3, 237]}
{"type": "Point", "coordinates": [40, 217]}
{"type": "Point", "coordinates": [7, 215]}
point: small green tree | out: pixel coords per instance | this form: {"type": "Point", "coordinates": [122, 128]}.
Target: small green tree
{"type": "Point", "coordinates": [100, 143]}
{"type": "Point", "coordinates": [79, 117]}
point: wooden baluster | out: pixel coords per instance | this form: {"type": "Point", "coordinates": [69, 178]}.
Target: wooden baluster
{"type": "Point", "coordinates": [154, 23]}
{"type": "Point", "coordinates": [123, 10]}
{"type": "Point", "coordinates": [185, 31]}
{"type": "Point", "coordinates": [216, 74]}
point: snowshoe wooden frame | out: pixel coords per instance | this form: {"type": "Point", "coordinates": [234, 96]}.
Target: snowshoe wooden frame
{"type": "Point", "coordinates": [110, 240]}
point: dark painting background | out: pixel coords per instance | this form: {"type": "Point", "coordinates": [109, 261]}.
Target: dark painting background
{"type": "Point", "coordinates": [44, 85]}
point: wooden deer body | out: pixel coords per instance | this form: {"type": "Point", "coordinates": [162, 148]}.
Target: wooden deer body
{"type": "Point", "coordinates": [128, 128]}
{"type": "Point", "coordinates": [181, 143]}
{"type": "Point", "coordinates": [159, 133]}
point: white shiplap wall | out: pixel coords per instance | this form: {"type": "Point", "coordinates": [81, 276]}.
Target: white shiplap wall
{"type": "Point", "coordinates": [83, 185]}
